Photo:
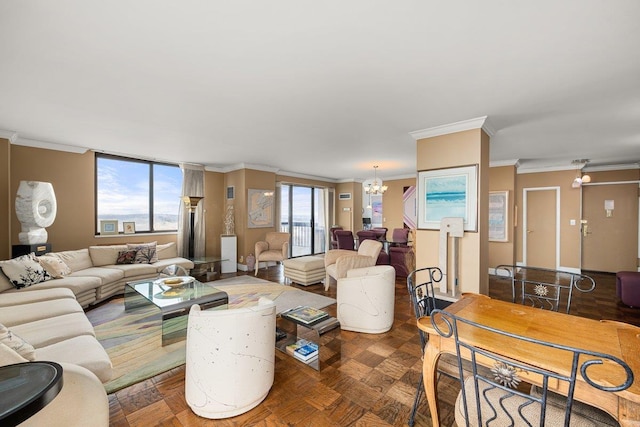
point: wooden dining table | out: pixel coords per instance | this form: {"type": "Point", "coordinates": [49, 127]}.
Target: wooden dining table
{"type": "Point", "coordinates": [618, 339]}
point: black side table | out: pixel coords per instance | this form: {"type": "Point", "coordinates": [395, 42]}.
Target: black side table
{"type": "Point", "coordinates": [26, 388]}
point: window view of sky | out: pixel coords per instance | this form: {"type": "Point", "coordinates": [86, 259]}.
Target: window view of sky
{"type": "Point", "coordinates": [123, 193]}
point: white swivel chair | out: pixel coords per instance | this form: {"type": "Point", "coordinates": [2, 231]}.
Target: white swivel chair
{"type": "Point", "coordinates": [230, 358]}
{"type": "Point", "coordinates": [338, 261]}
{"type": "Point", "coordinates": [366, 299]}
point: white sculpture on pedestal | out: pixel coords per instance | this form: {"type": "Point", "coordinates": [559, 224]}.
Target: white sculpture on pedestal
{"type": "Point", "coordinates": [449, 227]}
{"type": "Point", "coordinates": [36, 209]}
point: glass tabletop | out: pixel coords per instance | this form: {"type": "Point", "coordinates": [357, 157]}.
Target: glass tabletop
{"type": "Point", "coordinates": [162, 295]}
{"type": "Point", "coordinates": [26, 388]}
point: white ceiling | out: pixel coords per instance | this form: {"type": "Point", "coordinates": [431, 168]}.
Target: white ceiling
{"type": "Point", "coordinates": [325, 89]}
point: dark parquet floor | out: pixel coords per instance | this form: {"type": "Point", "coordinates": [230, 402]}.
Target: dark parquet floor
{"type": "Point", "coordinates": [371, 381]}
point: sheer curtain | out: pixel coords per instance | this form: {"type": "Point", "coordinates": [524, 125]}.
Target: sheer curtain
{"type": "Point", "coordinates": [192, 185]}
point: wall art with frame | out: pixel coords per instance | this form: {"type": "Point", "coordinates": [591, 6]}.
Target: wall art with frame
{"type": "Point", "coordinates": [451, 192]}
{"type": "Point", "coordinates": [260, 204]}
{"type": "Point", "coordinates": [108, 227]}
{"type": "Point", "coordinates": [498, 218]}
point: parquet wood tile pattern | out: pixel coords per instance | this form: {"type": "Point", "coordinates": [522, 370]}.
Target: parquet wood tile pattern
{"type": "Point", "coordinates": [367, 380]}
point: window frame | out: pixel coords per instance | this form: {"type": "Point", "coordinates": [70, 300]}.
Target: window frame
{"type": "Point", "coordinates": [150, 165]}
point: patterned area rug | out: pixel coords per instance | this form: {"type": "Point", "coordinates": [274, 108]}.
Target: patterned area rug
{"type": "Point", "coordinates": [133, 340]}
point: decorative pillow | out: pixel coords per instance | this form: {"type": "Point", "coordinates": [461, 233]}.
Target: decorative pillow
{"type": "Point", "coordinates": [146, 252]}
{"type": "Point", "coordinates": [16, 343]}
{"type": "Point", "coordinates": [54, 266]}
{"type": "Point", "coordinates": [126, 257]}
{"type": "Point", "coordinates": [24, 271]}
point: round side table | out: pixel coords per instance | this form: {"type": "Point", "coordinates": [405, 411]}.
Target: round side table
{"type": "Point", "coordinates": [26, 388]}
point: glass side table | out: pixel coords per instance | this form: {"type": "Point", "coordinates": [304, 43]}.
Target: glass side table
{"type": "Point", "coordinates": [26, 388]}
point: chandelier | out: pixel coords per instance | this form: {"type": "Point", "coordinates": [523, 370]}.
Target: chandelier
{"type": "Point", "coordinates": [375, 188]}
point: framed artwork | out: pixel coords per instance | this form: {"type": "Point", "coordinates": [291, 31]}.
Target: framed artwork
{"type": "Point", "coordinates": [260, 212]}
{"type": "Point", "coordinates": [108, 227]}
{"type": "Point", "coordinates": [376, 210]}
{"type": "Point", "coordinates": [129, 227]}
{"type": "Point", "coordinates": [498, 219]}
{"type": "Point", "coordinates": [409, 209]}
{"type": "Point", "coordinates": [444, 193]}
{"type": "Point", "coordinates": [231, 192]}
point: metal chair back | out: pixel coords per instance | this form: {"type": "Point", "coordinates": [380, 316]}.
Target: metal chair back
{"type": "Point", "coordinates": [543, 288]}
{"type": "Point", "coordinates": [488, 396]}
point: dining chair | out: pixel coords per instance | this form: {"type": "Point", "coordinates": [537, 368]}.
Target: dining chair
{"type": "Point", "coordinates": [498, 396]}
{"type": "Point", "coordinates": [542, 287]}
{"type": "Point", "coordinates": [400, 236]}
{"type": "Point", "coordinates": [345, 240]}
{"type": "Point", "coordinates": [420, 285]}
{"type": "Point", "coordinates": [332, 235]}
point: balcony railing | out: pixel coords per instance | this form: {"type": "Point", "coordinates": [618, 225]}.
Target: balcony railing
{"type": "Point", "coordinates": [301, 238]}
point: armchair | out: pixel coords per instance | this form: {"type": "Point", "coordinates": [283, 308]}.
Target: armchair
{"type": "Point", "coordinates": [338, 261]}
{"type": "Point", "coordinates": [275, 247]}
{"type": "Point", "coordinates": [366, 299]}
{"type": "Point", "coordinates": [230, 359]}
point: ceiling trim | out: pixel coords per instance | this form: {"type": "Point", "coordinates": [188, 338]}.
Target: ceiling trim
{"type": "Point", "coordinates": [9, 134]}
{"type": "Point", "coordinates": [477, 123]}
{"type": "Point", "coordinates": [499, 163]}
{"type": "Point", "coordinates": [49, 145]}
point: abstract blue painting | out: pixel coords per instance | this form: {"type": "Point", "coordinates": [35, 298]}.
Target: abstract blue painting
{"type": "Point", "coordinates": [446, 193]}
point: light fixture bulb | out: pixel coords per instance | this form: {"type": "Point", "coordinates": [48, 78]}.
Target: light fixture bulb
{"type": "Point", "coordinates": [586, 179]}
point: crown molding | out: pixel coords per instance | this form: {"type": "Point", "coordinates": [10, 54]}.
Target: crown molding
{"type": "Point", "coordinates": [477, 123]}
{"type": "Point", "coordinates": [49, 145]}
{"type": "Point", "coordinates": [510, 162]}
{"type": "Point", "coordinates": [304, 176]}
{"type": "Point", "coordinates": [540, 169]}
{"type": "Point", "coordinates": [606, 168]}
{"type": "Point", "coordinates": [9, 134]}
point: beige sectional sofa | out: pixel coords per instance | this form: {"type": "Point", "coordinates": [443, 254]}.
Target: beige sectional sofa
{"type": "Point", "coordinates": [95, 276]}
{"type": "Point", "coordinates": [46, 321]}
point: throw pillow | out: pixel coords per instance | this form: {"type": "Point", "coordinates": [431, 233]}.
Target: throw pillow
{"type": "Point", "coordinates": [147, 253]}
{"type": "Point", "coordinates": [24, 271]}
{"type": "Point", "coordinates": [54, 266]}
{"type": "Point", "coordinates": [16, 343]}
{"type": "Point", "coordinates": [126, 257]}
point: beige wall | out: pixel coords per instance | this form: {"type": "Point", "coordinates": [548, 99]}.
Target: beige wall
{"type": "Point", "coordinates": [6, 205]}
{"type": "Point", "coordinates": [453, 150]}
{"type": "Point", "coordinates": [503, 178]}
{"type": "Point", "coordinates": [350, 219]}
{"type": "Point", "coordinates": [215, 205]}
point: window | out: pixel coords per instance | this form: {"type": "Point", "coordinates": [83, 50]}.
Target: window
{"type": "Point", "coordinates": [144, 192]}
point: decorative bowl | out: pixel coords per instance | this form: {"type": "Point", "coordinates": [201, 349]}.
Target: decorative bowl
{"type": "Point", "coordinates": [174, 282]}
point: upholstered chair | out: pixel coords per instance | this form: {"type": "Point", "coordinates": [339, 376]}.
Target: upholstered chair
{"type": "Point", "coordinates": [402, 259]}
{"type": "Point", "coordinates": [275, 247]}
{"type": "Point", "coordinates": [381, 232]}
{"type": "Point", "coordinates": [400, 236]}
{"type": "Point", "coordinates": [383, 256]}
{"type": "Point", "coordinates": [345, 240]}
{"type": "Point", "coordinates": [338, 261]}
{"type": "Point", "coordinates": [366, 299]}
{"type": "Point", "coordinates": [230, 359]}
{"type": "Point", "coordinates": [332, 236]}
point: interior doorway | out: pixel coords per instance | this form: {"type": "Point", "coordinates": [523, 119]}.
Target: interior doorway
{"type": "Point", "coordinates": [610, 236]}
{"type": "Point", "coordinates": [541, 227]}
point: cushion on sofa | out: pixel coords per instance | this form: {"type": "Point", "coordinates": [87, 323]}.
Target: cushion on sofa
{"type": "Point", "coordinates": [87, 352]}
{"type": "Point", "coordinates": [76, 260]}
{"type": "Point", "coordinates": [167, 250]}
{"type": "Point", "coordinates": [24, 271]}
{"type": "Point", "coordinates": [14, 342]}
{"type": "Point", "coordinates": [38, 310]}
{"type": "Point", "coordinates": [147, 253]}
{"type": "Point", "coordinates": [41, 333]}
{"type": "Point", "coordinates": [11, 299]}
{"type": "Point", "coordinates": [105, 274]}
{"type": "Point", "coordinates": [54, 266]}
{"type": "Point", "coordinates": [126, 257]}
{"type": "Point", "coordinates": [105, 255]}
{"type": "Point", "coordinates": [8, 356]}
{"type": "Point", "coordinates": [132, 270]}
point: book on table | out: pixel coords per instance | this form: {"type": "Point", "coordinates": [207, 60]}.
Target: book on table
{"type": "Point", "coordinates": [305, 314]}
{"type": "Point", "coordinates": [303, 350]}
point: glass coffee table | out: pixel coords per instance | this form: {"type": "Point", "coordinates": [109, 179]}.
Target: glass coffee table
{"type": "Point", "coordinates": [173, 301]}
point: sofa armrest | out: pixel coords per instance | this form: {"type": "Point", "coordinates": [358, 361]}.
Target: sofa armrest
{"type": "Point", "coordinates": [333, 254]}
{"type": "Point", "coordinates": [285, 250]}
{"type": "Point", "coordinates": [346, 263]}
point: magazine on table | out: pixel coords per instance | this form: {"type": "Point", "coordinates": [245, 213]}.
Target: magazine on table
{"type": "Point", "coordinates": [303, 350]}
{"type": "Point", "coordinates": [305, 314]}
